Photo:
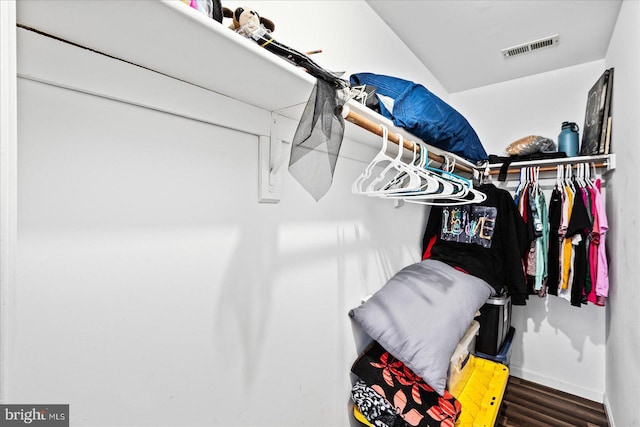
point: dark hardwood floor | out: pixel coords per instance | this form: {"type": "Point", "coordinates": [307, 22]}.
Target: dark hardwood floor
{"type": "Point", "coordinates": [527, 404]}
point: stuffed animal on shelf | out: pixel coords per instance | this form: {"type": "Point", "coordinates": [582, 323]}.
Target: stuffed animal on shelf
{"type": "Point", "coordinates": [241, 17]}
{"type": "Point", "coordinates": [251, 25]}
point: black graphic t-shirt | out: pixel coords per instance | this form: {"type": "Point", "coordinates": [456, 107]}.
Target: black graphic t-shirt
{"type": "Point", "coordinates": [487, 240]}
{"type": "Point", "coordinates": [468, 224]}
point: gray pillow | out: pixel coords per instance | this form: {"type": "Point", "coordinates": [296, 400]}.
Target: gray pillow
{"type": "Point", "coordinates": [420, 315]}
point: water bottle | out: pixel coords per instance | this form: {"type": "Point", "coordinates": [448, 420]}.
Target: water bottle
{"type": "Point", "coordinates": [568, 139]}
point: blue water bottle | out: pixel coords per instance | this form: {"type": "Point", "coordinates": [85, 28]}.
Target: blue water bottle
{"type": "Point", "coordinates": [568, 139]}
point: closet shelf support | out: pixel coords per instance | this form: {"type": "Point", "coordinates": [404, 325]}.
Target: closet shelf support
{"type": "Point", "coordinates": [272, 156]}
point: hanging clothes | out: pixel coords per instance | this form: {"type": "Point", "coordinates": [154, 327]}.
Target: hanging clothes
{"type": "Point", "coordinates": [532, 206]}
{"type": "Point", "coordinates": [577, 231]}
{"type": "Point", "coordinates": [602, 271]}
{"type": "Point", "coordinates": [542, 245]}
{"type": "Point", "coordinates": [566, 250]}
{"type": "Point", "coordinates": [554, 241]}
{"type": "Point", "coordinates": [577, 264]}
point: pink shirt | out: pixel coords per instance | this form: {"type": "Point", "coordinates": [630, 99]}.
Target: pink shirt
{"type": "Point", "coordinates": [602, 280]}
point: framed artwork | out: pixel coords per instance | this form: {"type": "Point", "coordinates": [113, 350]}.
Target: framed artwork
{"type": "Point", "coordinates": [596, 119]}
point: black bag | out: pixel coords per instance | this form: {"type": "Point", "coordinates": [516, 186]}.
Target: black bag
{"type": "Point", "coordinates": [507, 160]}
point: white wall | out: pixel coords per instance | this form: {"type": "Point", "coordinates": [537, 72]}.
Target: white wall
{"type": "Point", "coordinates": [556, 344]}
{"type": "Point", "coordinates": [151, 287]}
{"type": "Point", "coordinates": [154, 290]}
{"type": "Point", "coordinates": [623, 330]}
{"type": "Point", "coordinates": [352, 37]}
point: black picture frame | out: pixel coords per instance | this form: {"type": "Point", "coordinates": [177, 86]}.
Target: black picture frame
{"type": "Point", "coordinates": [605, 137]}
{"type": "Point", "coordinates": [594, 116]}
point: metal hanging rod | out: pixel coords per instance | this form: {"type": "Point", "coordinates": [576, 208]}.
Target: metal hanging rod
{"type": "Point", "coordinates": [546, 165]}
{"type": "Point", "coordinates": [549, 165]}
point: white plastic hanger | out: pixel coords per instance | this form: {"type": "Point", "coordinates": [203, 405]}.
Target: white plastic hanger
{"type": "Point", "coordinates": [460, 190]}
{"type": "Point", "coordinates": [396, 177]}
{"type": "Point", "coordinates": [414, 181]}
{"type": "Point", "coordinates": [430, 185]}
{"type": "Point", "coordinates": [358, 185]}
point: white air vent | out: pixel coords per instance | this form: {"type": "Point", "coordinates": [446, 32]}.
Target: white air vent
{"type": "Point", "coordinates": [530, 46]}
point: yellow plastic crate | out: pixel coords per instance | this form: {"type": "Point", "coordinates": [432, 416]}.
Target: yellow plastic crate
{"type": "Point", "coordinates": [361, 418]}
{"type": "Point", "coordinates": [482, 394]}
{"type": "Point", "coordinates": [480, 397]}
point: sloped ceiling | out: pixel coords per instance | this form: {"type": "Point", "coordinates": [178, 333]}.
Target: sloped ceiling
{"type": "Point", "coordinates": [460, 41]}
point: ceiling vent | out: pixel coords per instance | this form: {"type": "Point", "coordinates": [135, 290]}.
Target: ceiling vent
{"type": "Point", "coordinates": [530, 46]}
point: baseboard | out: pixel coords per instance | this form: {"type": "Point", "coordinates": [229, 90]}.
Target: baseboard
{"type": "Point", "coordinates": [594, 395]}
{"type": "Point", "coordinates": [608, 411]}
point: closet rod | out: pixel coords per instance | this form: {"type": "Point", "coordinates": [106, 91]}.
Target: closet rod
{"type": "Point", "coordinates": [550, 165]}
{"type": "Point", "coordinates": [542, 169]}
{"type": "Point", "coordinates": [376, 128]}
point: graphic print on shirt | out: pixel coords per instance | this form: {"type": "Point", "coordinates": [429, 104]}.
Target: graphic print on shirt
{"type": "Point", "coordinates": [469, 224]}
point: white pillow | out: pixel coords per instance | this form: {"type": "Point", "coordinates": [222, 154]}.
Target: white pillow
{"type": "Point", "coordinates": [420, 315]}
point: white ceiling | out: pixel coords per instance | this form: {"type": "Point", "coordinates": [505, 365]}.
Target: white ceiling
{"type": "Point", "coordinates": [460, 41]}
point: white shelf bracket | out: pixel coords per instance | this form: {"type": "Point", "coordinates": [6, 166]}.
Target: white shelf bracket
{"type": "Point", "coordinates": [272, 155]}
{"type": "Point", "coordinates": [611, 162]}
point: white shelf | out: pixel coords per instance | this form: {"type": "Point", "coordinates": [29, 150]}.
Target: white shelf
{"type": "Point", "coordinates": [173, 39]}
